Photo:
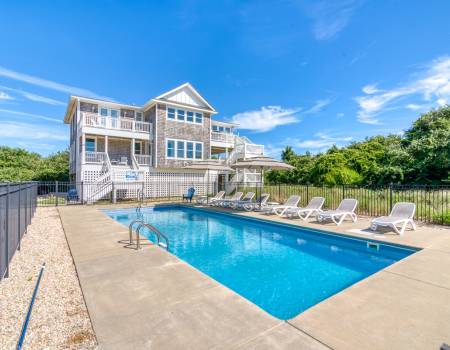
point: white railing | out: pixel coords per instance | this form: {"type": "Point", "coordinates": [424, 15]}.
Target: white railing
{"type": "Point", "coordinates": [253, 150]}
{"type": "Point", "coordinates": [143, 159]}
{"type": "Point", "coordinates": [222, 137]}
{"type": "Point", "coordinates": [94, 157]}
{"type": "Point", "coordinates": [98, 121]}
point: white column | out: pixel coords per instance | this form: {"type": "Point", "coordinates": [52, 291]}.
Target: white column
{"type": "Point", "coordinates": [106, 145]}
{"type": "Point", "coordinates": [83, 148]}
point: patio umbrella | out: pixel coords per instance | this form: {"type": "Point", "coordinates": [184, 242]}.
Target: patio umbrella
{"type": "Point", "coordinates": [209, 165]}
{"type": "Point", "coordinates": [262, 163]}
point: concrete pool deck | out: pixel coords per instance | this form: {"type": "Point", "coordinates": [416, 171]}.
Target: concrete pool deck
{"type": "Point", "coordinates": [150, 299]}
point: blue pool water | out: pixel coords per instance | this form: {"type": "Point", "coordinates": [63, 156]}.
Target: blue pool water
{"type": "Point", "coordinates": [282, 269]}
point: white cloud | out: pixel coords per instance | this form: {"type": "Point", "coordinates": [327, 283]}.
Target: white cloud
{"type": "Point", "coordinates": [432, 85]}
{"type": "Point", "coordinates": [266, 118]}
{"type": "Point", "coordinates": [340, 115]}
{"type": "Point", "coordinates": [25, 131]}
{"type": "Point", "coordinates": [322, 141]}
{"type": "Point", "coordinates": [7, 73]}
{"type": "Point", "coordinates": [4, 96]}
{"type": "Point", "coordinates": [330, 17]}
{"type": "Point", "coordinates": [371, 89]}
{"type": "Point", "coordinates": [30, 115]}
{"type": "Point", "coordinates": [318, 106]}
{"type": "Point", "coordinates": [34, 97]}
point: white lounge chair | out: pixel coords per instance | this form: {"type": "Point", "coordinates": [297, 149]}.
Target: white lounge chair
{"type": "Point", "coordinates": [345, 209]}
{"type": "Point", "coordinates": [224, 202]}
{"type": "Point", "coordinates": [203, 199]}
{"type": "Point", "coordinates": [402, 215]}
{"type": "Point", "coordinates": [278, 209]}
{"type": "Point", "coordinates": [314, 207]}
{"type": "Point", "coordinates": [258, 205]}
{"type": "Point", "coordinates": [246, 199]}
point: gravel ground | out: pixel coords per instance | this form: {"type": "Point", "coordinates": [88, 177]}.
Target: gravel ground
{"type": "Point", "coordinates": [59, 319]}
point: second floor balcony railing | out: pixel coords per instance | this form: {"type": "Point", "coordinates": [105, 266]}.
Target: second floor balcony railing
{"type": "Point", "coordinates": [98, 121]}
{"type": "Point", "coordinates": [222, 137]}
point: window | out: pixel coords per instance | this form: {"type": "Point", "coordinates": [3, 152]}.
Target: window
{"type": "Point", "coordinates": [139, 116]}
{"type": "Point", "coordinates": [190, 117]}
{"type": "Point", "coordinates": [170, 148]}
{"type": "Point", "coordinates": [180, 114]}
{"type": "Point", "coordinates": [199, 118]}
{"type": "Point", "coordinates": [171, 113]}
{"type": "Point", "coordinates": [228, 130]}
{"type": "Point", "coordinates": [190, 150]}
{"type": "Point", "coordinates": [90, 145]}
{"type": "Point", "coordinates": [114, 113]}
{"type": "Point", "coordinates": [137, 147]}
{"type": "Point", "coordinates": [215, 128]}
{"type": "Point", "coordinates": [198, 151]}
{"type": "Point", "coordinates": [180, 149]}
{"type": "Point", "coordinates": [104, 112]}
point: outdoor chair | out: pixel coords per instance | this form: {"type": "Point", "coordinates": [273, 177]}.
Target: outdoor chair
{"type": "Point", "coordinates": [345, 209]}
{"type": "Point", "coordinates": [72, 195]}
{"type": "Point", "coordinates": [189, 195]}
{"type": "Point", "coordinates": [246, 199]}
{"type": "Point", "coordinates": [314, 207]}
{"type": "Point", "coordinates": [258, 205]}
{"type": "Point", "coordinates": [224, 202]}
{"type": "Point", "coordinates": [402, 215]}
{"type": "Point", "coordinates": [204, 200]}
{"type": "Point", "coordinates": [279, 209]}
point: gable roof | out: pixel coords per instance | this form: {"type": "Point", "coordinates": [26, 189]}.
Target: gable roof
{"type": "Point", "coordinates": [184, 94]}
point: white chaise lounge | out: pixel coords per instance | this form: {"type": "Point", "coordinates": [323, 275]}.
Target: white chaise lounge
{"type": "Point", "coordinates": [279, 209]}
{"type": "Point", "coordinates": [401, 216]}
{"type": "Point", "coordinates": [346, 209]}
{"type": "Point", "coordinates": [245, 200]}
{"type": "Point", "coordinates": [218, 196]}
{"type": "Point", "coordinates": [224, 202]}
{"type": "Point", "coordinates": [314, 207]}
{"type": "Point", "coordinates": [258, 205]}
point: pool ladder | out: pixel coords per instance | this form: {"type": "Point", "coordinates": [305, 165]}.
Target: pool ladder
{"type": "Point", "coordinates": [141, 224]}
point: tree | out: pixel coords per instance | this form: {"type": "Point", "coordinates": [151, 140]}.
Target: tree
{"type": "Point", "coordinates": [17, 164]}
{"type": "Point", "coordinates": [421, 156]}
{"type": "Point", "coordinates": [287, 154]}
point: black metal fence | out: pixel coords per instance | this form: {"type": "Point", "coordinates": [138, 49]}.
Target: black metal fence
{"type": "Point", "coordinates": [432, 201]}
{"type": "Point", "coordinates": [17, 206]}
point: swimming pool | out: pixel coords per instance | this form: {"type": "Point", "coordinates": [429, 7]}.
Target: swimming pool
{"type": "Point", "coordinates": [281, 268]}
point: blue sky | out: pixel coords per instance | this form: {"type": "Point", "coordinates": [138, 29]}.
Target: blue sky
{"type": "Point", "coordinates": [308, 74]}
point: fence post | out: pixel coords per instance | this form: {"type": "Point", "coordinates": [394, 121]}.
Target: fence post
{"type": "Point", "coordinates": [307, 192]}
{"type": "Point", "coordinates": [279, 192]}
{"type": "Point", "coordinates": [56, 190]}
{"type": "Point", "coordinates": [82, 192]}
{"type": "Point", "coordinates": [7, 231]}
{"type": "Point", "coordinates": [26, 209]}
{"type": "Point", "coordinates": [390, 197]}
{"type": "Point", "coordinates": [343, 192]}
{"type": "Point", "coordinates": [18, 216]}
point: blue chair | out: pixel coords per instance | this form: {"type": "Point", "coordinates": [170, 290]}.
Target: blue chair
{"type": "Point", "coordinates": [189, 195]}
{"type": "Point", "coordinates": [72, 195]}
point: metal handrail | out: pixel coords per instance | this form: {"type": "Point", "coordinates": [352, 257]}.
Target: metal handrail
{"type": "Point", "coordinates": [155, 231]}
{"type": "Point", "coordinates": [130, 228]}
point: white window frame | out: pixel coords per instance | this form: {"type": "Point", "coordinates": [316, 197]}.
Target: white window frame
{"type": "Point", "coordinates": [185, 149]}
{"type": "Point", "coordinates": [136, 142]}
{"type": "Point", "coordinates": [95, 143]}
{"type": "Point", "coordinates": [176, 109]}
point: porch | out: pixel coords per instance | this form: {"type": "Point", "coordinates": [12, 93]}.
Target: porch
{"type": "Point", "coordinates": [116, 151]}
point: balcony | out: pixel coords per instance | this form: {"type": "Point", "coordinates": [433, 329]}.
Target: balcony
{"type": "Point", "coordinates": [125, 124]}
{"type": "Point", "coordinates": [222, 137]}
